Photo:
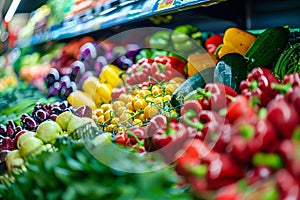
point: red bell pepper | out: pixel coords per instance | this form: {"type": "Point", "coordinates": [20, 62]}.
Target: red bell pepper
{"type": "Point", "coordinates": [252, 137]}
{"type": "Point", "coordinates": [139, 72]}
{"type": "Point", "coordinates": [212, 43]}
{"type": "Point", "coordinates": [224, 168]}
{"type": "Point", "coordinates": [272, 160]}
{"type": "Point", "coordinates": [216, 96]}
{"type": "Point", "coordinates": [290, 151]}
{"type": "Point", "coordinates": [240, 107]}
{"type": "Point", "coordinates": [177, 64]}
{"type": "Point", "coordinates": [166, 136]}
{"type": "Point", "coordinates": [204, 164]}
{"type": "Point", "coordinates": [193, 105]}
{"type": "Point", "coordinates": [230, 192]}
{"type": "Point", "coordinates": [288, 185]}
{"type": "Point", "coordinates": [258, 174]}
{"type": "Point", "coordinates": [290, 88]}
{"type": "Point", "coordinates": [258, 85]}
{"type": "Point", "coordinates": [284, 117]}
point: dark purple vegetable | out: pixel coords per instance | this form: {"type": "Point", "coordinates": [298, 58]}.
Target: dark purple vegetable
{"type": "Point", "coordinates": [77, 69]}
{"type": "Point", "coordinates": [52, 77]}
{"type": "Point", "coordinates": [54, 89]}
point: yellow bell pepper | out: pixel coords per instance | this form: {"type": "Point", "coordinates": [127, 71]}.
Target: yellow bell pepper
{"type": "Point", "coordinates": [236, 40]}
{"type": "Point", "coordinates": [110, 75]}
{"type": "Point", "coordinates": [79, 98]}
{"type": "Point", "coordinates": [90, 84]}
{"type": "Point", "coordinates": [103, 94]}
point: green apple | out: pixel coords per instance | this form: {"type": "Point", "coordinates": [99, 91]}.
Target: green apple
{"type": "Point", "coordinates": [48, 131]}
{"type": "Point", "coordinates": [64, 118]}
{"type": "Point", "coordinates": [17, 163]}
{"type": "Point", "coordinates": [30, 145]}
{"type": "Point", "coordinates": [23, 137]}
{"type": "Point", "coordinates": [77, 122]}
{"type": "Point", "coordinates": [12, 155]}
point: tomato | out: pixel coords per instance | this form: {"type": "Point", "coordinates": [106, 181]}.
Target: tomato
{"type": "Point", "coordinates": [114, 120]}
{"type": "Point", "coordinates": [137, 122]}
{"type": "Point", "coordinates": [140, 104]}
{"type": "Point", "coordinates": [144, 93]}
{"type": "Point", "coordinates": [117, 104]}
{"type": "Point", "coordinates": [167, 97]}
{"type": "Point", "coordinates": [140, 116]}
{"type": "Point", "coordinates": [150, 111]}
{"type": "Point", "coordinates": [158, 100]}
{"type": "Point", "coordinates": [99, 112]}
{"type": "Point", "coordinates": [106, 106]}
{"type": "Point", "coordinates": [100, 118]}
{"type": "Point", "coordinates": [156, 90]}
{"type": "Point", "coordinates": [122, 138]}
{"type": "Point", "coordinates": [111, 127]}
{"type": "Point", "coordinates": [130, 106]}
{"type": "Point", "coordinates": [125, 97]}
{"type": "Point", "coordinates": [126, 116]}
{"type": "Point", "coordinates": [108, 114]}
{"type": "Point", "coordinates": [170, 88]}
{"type": "Point", "coordinates": [136, 91]}
{"type": "Point", "coordinates": [149, 98]}
{"type": "Point", "coordinates": [121, 110]}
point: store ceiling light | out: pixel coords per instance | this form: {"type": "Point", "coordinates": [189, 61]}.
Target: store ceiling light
{"type": "Point", "coordinates": [11, 11]}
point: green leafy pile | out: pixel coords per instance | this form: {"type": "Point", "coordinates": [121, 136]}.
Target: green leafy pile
{"type": "Point", "coordinates": [73, 173]}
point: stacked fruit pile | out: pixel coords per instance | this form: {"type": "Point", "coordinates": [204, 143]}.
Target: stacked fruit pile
{"type": "Point", "coordinates": [228, 130]}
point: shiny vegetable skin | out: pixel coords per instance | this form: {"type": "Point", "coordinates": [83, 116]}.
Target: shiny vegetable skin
{"type": "Point", "coordinates": [231, 69]}
{"type": "Point", "coordinates": [267, 47]}
{"type": "Point", "coordinates": [198, 80]}
{"type": "Point", "coordinates": [235, 40]}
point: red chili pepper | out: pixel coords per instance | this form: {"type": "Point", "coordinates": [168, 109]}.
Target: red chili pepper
{"type": "Point", "coordinates": [174, 63]}
{"type": "Point", "coordinates": [283, 116]}
{"type": "Point", "coordinates": [167, 136]}
{"type": "Point", "coordinates": [212, 43]}
{"type": "Point", "coordinates": [290, 151]}
{"type": "Point", "coordinates": [258, 85]}
{"type": "Point", "coordinates": [216, 96]}
{"type": "Point", "coordinates": [288, 185]}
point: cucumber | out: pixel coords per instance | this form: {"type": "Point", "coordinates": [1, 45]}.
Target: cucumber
{"type": "Point", "coordinates": [267, 47]}
{"type": "Point", "coordinates": [198, 80]}
{"type": "Point", "coordinates": [230, 70]}
{"type": "Point", "coordinates": [288, 62]}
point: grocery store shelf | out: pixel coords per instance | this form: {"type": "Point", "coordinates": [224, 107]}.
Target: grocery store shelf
{"type": "Point", "coordinates": [101, 18]}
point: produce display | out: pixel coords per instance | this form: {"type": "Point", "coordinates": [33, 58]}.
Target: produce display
{"type": "Point", "coordinates": [222, 122]}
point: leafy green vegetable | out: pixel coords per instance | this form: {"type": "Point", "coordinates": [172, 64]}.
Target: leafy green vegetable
{"type": "Point", "coordinates": [74, 173]}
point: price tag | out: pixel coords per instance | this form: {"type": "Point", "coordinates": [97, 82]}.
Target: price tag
{"type": "Point", "coordinates": [165, 4]}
